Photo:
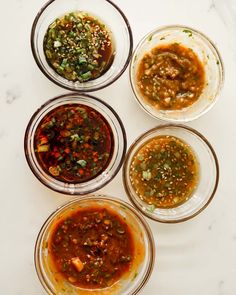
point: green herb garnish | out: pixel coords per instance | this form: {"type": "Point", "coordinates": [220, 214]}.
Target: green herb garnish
{"type": "Point", "coordinates": [135, 276]}
{"type": "Point", "coordinates": [78, 47]}
{"type": "Point", "coordinates": [150, 38]}
{"type": "Point", "coordinates": [151, 208]}
{"type": "Point", "coordinates": [82, 163]}
{"type": "Point", "coordinates": [189, 32]}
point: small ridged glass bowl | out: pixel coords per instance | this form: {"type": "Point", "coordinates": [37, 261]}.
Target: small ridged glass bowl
{"type": "Point", "coordinates": [207, 53]}
{"type": "Point", "coordinates": [208, 175]}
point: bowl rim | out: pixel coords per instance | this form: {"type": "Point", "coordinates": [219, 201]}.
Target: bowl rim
{"type": "Point", "coordinates": [55, 81]}
{"type": "Point", "coordinates": [143, 136]}
{"type": "Point", "coordinates": [80, 96]}
{"type": "Point", "coordinates": [210, 44]}
{"type": "Point", "coordinates": [96, 197]}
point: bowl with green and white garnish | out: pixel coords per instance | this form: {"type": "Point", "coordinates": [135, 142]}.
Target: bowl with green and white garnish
{"type": "Point", "coordinates": [81, 45]}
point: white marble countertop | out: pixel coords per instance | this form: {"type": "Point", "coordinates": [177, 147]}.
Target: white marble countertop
{"type": "Point", "coordinates": [192, 258]}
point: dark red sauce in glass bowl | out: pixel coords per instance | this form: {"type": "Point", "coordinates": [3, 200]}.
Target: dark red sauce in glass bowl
{"type": "Point", "coordinates": [73, 143]}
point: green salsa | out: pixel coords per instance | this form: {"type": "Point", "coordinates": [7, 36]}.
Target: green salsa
{"type": "Point", "coordinates": [78, 47]}
{"type": "Point", "coordinates": [164, 172]}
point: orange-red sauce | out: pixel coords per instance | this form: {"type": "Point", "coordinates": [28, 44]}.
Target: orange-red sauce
{"type": "Point", "coordinates": [92, 248]}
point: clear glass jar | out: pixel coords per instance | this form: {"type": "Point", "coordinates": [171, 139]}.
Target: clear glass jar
{"type": "Point", "coordinates": [109, 14]}
{"type": "Point", "coordinates": [119, 149]}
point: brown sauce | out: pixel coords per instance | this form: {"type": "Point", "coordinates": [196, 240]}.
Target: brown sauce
{"type": "Point", "coordinates": [171, 77]}
{"type": "Point", "coordinates": [79, 47]}
{"type": "Point", "coordinates": [164, 172]}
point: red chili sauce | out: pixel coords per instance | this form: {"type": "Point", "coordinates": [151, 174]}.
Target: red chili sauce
{"type": "Point", "coordinates": [92, 248]}
{"type": "Point", "coordinates": [73, 143]}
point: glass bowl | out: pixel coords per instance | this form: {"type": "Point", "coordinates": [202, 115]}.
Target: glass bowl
{"type": "Point", "coordinates": [208, 175]}
{"type": "Point", "coordinates": [207, 54]}
{"type": "Point", "coordinates": [110, 14]}
{"type": "Point", "coordinates": [119, 144]}
{"type": "Point", "coordinates": [144, 251]}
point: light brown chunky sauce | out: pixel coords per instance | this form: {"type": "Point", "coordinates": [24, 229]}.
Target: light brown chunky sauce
{"type": "Point", "coordinates": [171, 77]}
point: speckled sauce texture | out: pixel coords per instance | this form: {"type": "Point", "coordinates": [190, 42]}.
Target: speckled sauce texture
{"type": "Point", "coordinates": [164, 172]}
